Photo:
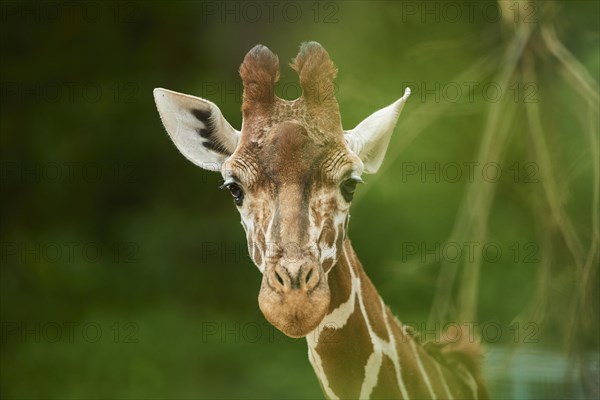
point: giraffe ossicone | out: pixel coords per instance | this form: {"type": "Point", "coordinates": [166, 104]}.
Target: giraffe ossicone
{"type": "Point", "coordinates": [292, 171]}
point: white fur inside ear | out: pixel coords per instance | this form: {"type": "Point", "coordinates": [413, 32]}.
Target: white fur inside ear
{"type": "Point", "coordinates": [370, 139]}
{"type": "Point", "coordinates": [197, 128]}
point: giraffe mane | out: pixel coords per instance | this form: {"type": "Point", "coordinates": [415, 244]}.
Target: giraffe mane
{"type": "Point", "coordinates": [465, 352]}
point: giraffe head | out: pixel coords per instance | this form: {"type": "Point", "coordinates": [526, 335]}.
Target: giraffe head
{"type": "Point", "coordinates": [292, 171]}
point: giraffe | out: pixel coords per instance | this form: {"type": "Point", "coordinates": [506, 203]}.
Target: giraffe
{"type": "Point", "coordinates": [292, 172]}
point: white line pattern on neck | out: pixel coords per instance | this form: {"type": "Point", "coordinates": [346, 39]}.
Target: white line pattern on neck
{"type": "Point", "coordinates": [444, 384]}
{"type": "Point", "coordinates": [420, 367]}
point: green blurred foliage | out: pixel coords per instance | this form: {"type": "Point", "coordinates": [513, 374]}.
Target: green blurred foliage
{"type": "Point", "coordinates": [77, 93]}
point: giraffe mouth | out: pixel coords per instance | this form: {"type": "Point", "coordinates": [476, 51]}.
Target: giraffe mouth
{"type": "Point", "coordinates": [296, 311]}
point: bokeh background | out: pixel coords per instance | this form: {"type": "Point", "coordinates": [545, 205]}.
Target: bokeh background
{"type": "Point", "coordinates": [124, 271]}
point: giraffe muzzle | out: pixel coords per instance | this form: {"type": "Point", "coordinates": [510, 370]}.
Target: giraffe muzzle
{"type": "Point", "coordinates": [294, 298]}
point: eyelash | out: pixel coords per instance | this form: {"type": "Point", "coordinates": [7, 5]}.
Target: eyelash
{"type": "Point", "coordinates": [236, 191]}
{"type": "Point", "coordinates": [348, 187]}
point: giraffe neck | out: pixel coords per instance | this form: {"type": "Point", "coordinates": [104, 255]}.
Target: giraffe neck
{"type": "Point", "coordinates": [360, 350]}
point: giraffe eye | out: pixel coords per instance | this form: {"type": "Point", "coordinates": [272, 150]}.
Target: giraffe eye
{"type": "Point", "coordinates": [348, 188]}
{"type": "Point", "coordinates": [236, 192]}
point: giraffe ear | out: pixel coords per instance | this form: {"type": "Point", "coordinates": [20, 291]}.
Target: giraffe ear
{"type": "Point", "coordinates": [370, 139]}
{"type": "Point", "coordinates": [197, 128]}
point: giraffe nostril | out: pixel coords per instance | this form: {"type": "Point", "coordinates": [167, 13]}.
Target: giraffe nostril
{"type": "Point", "coordinates": [279, 278]}
{"type": "Point", "coordinates": [309, 275]}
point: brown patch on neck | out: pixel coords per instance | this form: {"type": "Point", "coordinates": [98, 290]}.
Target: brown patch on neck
{"type": "Point", "coordinates": [371, 298]}
{"type": "Point", "coordinates": [344, 353]}
{"type": "Point", "coordinates": [372, 302]}
{"type": "Point", "coordinates": [413, 381]}
{"type": "Point", "coordinates": [340, 282]}
{"type": "Point", "coordinates": [387, 385]}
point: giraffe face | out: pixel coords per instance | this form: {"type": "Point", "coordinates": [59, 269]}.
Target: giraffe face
{"type": "Point", "coordinates": [293, 195]}
{"type": "Point", "coordinates": [292, 171]}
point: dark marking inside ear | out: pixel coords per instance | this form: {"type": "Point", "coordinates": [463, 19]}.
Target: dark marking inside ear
{"type": "Point", "coordinates": [217, 147]}
{"type": "Point", "coordinates": [204, 117]}
{"type": "Point", "coordinates": [204, 132]}
{"type": "Point", "coordinates": [212, 142]}
{"type": "Point", "coordinates": [201, 115]}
